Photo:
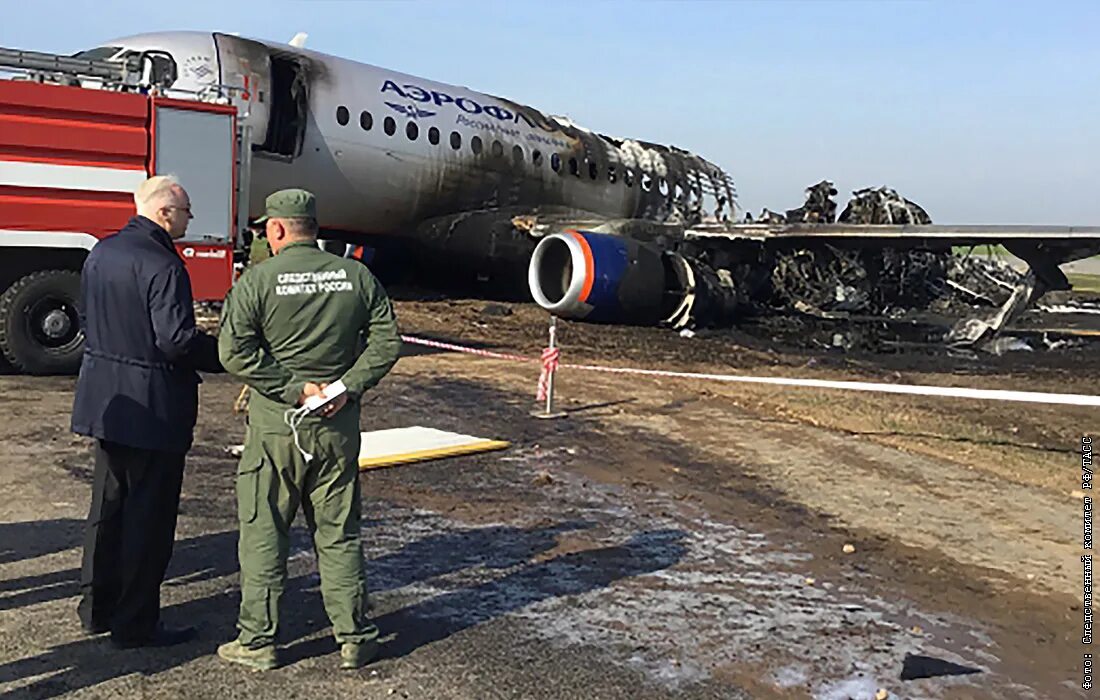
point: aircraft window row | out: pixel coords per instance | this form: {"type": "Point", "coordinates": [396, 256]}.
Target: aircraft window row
{"type": "Point", "coordinates": [412, 132]}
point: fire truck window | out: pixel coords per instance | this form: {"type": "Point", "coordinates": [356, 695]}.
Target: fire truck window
{"type": "Point", "coordinates": [390, 126]}
{"type": "Point", "coordinates": [412, 131]}
{"type": "Point", "coordinates": [342, 115]}
{"type": "Point", "coordinates": [475, 144]}
{"type": "Point", "coordinates": [366, 121]}
{"type": "Point", "coordinates": [433, 136]}
{"type": "Point", "coordinates": [456, 140]}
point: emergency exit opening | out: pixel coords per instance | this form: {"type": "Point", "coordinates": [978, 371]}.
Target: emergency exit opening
{"type": "Point", "coordinates": [289, 108]}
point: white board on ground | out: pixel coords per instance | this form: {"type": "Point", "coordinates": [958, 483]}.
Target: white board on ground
{"type": "Point", "coordinates": [383, 448]}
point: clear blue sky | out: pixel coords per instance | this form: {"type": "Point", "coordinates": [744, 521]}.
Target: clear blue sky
{"type": "Point", "coordinates": [983, 112]}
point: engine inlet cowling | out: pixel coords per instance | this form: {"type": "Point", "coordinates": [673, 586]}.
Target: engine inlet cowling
{"type": "Point", "coordinates": [601, 277]}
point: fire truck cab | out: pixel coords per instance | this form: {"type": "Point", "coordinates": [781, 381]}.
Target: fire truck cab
{"type": "Point", "coordinates": [77, 136]}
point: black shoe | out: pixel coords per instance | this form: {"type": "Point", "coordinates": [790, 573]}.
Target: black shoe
{"type": "Point", "coordinates": [95, 628]}
{"type": "Point", "coordinates": [161, 637]}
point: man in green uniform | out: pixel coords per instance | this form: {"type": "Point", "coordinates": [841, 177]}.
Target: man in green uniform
{"type": "Point", "coordinates": [290, 326]}
{"type": "Point", "coordinates": [258, 250]}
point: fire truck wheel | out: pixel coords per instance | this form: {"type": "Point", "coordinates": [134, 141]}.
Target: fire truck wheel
{"type": "Point", "coordinates": [39, 323]}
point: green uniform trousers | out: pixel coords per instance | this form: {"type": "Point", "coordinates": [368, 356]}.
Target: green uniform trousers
{"type": "Point", "coordinates": [273, 479]}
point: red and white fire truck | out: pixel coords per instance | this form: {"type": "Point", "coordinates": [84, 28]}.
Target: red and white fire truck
{"type": "Point", "coordinates": [76, 139]}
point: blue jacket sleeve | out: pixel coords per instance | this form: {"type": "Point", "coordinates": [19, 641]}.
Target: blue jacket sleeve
{"type": "Point", "coordinates": [173, 316]}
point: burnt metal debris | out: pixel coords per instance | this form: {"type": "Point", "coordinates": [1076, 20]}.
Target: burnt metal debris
{"type": "Point", "coordinates": [833, 281]}
{"type": "Point", "coordinates": [806, 263]}
{"type": "Point", "coordinates": [829, 278]}
{"type": "Point", "coordinates": [882, 205]}
{"type": "Point", "coordinates": [879, 205]}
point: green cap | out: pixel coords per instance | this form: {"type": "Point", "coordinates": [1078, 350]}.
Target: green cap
{"type": "Point", "coordinates": [289, 204]}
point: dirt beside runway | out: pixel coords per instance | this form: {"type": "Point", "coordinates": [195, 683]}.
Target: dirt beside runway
{"type": "Point", "coordinates": [669, 538]}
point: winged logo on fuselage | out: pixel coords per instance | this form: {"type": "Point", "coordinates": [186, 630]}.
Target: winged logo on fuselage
{"type": "Point", "coordinates": [411, 111]}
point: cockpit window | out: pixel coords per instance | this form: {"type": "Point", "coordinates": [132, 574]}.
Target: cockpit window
{"type": "Point", "coordinates": [100, 53]}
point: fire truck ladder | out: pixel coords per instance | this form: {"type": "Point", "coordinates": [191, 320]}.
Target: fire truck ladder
{"type": "Point", "coordinates": [136, 71]}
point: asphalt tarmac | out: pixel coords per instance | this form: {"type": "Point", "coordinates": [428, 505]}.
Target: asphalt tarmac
{"type": "Point", "coordinates": [665, 540]}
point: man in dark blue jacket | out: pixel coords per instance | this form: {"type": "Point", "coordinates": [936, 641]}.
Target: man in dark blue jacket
{"type": "Point", "coordinates": [138, 396]}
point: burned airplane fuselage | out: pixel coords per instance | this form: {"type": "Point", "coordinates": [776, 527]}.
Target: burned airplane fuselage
{"type": "Point", "coordinates": [590, 226]}
{"type": "Point", "coordinates": [443, 170]}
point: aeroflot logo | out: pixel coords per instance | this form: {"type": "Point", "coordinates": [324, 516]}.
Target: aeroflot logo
{"type": "Point", "coordinates": [411, 111]}
{"type": "Point", "coordinates": [466, 104]}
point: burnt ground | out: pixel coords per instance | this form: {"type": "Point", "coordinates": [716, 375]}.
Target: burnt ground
{"type": "Point", "coordinates": [670, 538]}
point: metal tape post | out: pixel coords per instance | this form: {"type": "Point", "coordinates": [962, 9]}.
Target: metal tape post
{"type": "Point", "coordinates": [550, 358]}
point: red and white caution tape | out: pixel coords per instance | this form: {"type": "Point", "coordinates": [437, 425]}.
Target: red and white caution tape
{"type": "Point", "coordinates": [911, 389]}
{"type": "Point", "coordinates": [412, 340]}
{"type": "Point", "coordinates": [550, 357]}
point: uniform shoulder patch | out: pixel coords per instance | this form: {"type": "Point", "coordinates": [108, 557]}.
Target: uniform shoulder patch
{"type": "Point", "coordinates": [313, 282]}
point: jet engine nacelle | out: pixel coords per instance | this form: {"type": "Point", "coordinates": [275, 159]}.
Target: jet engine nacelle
{"type": "Point", "coordinates": [601, 277]}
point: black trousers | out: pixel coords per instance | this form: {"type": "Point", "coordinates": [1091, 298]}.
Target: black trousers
{"type": "Point", "coordinates": [128, 538]}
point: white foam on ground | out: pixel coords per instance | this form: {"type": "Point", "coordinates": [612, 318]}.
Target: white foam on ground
{"type": "Point", "coordinates": [848, 689]}
{"type": "Point", "coordinates": [790, 676]}
{"type": "Point", "coordinates": [702, 595]}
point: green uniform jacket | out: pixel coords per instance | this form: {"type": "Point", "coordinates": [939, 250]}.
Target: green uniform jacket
{"type": "Point", "coordinates": [258, 251]}
{"type": "Point", "coordinates": [301, 316]}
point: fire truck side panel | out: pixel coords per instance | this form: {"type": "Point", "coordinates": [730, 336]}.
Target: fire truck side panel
{"type": "Point", "coordinates": [73, 126]}
{"type": "Point", "coordinates": [70, 160]}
